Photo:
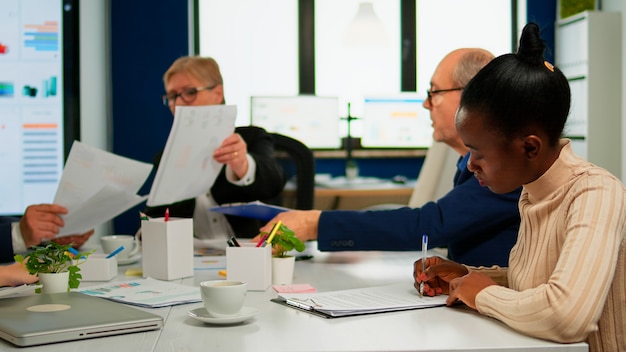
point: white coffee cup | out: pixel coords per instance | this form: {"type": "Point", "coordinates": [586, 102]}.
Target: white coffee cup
{"type": "Point", "coordinates": [223, 298]}
{"type": "Point", "coordinates": [113, 242]}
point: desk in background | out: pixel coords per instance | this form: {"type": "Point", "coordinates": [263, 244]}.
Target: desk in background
{"type": "Point", "coordinates": [277, 328]}
{"type": "Point", "coordinates": [337, 193]}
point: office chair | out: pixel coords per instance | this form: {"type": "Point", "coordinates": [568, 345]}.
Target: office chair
{"type": "Point", "coordinates": [434, 180]}
{"type": "Point", "coordinates": [304, 162]}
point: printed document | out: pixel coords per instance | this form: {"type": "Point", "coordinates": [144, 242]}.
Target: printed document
{"type": "Point", "coordinates": [359, 301]}
{"type": "Point", "coordinates": [148, 292]}
{"type": "Point", "coordinates": [96, 186]}
{"type": "Point", "coordinates": [187, 168]}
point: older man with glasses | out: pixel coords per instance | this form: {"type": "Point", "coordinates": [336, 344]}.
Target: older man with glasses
{"type": "Point", "coordinates": [477, 226]}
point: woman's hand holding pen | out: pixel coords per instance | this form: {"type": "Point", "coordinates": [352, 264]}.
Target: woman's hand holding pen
{"type": "Point", "coordinates": [437, 276]}
{"type": "Point", "coordinates": [233, 153]}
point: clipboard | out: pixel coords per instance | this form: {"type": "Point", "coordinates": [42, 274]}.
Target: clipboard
{"type": "Point", "coordinates": [255, 210]}
{"type": "Point", "coordinates": [361, 301]}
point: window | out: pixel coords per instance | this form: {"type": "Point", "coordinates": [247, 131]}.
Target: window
{"type": "Point", "coordinates": [256, 45]}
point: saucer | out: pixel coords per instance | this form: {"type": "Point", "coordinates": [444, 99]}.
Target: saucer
{"type": "Point", "coordinates": [129, 260]}
{"type": "Point", "coordinates": [202, 315]}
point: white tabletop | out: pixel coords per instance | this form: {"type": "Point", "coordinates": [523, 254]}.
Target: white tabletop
{"type": "Point", "coordinates": [280, 328]}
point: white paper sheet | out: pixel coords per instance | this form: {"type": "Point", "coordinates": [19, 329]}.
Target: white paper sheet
{"type": "Point", "coordinates": [367, 300]}
{"type": "Point", "coordinates": [187, 168]}
{"type": "Point", "coordinates": [96, 186]}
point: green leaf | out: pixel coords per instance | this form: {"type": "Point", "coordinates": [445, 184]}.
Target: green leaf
{"type": "Point", "coordinates": [285, 240]}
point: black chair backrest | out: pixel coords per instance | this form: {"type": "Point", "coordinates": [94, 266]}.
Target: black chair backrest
{"type": "Point", "coordinates": [303, 158]}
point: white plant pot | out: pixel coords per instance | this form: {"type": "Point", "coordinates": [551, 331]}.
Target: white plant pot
{"type": "Point", "coordinates": [282, 270]}
{"type": "Point", "coordinates": [54, 282]}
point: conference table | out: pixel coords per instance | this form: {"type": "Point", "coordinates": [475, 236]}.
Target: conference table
{"type": "Point", "coordinates": [281, 328]}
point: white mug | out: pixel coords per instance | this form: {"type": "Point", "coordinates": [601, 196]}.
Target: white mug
{"type": "Point", "coordinates": [113, 242]}
{"type": "Point", "coordinates": [223, 298]}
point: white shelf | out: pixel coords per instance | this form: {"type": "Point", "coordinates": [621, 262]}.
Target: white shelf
{"type": "Point", "coordinates": [588, 51]}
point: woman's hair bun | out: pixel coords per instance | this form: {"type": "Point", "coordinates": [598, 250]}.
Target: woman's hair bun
{"type": "Point", "coordinates": [531, 46]}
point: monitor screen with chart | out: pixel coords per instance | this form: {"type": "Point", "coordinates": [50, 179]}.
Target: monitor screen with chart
{"type": "Point", "coordinates": [38, 98]}
{"type": "Point", "coordinates": [313, 120]}
{"type": "Point", "coordinates": [396, 122]}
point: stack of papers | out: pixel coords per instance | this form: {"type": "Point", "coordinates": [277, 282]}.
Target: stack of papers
{"type": "Point", "coordinates": [360, 301]}
{"type": "Point", "coordinates": [148, 293]}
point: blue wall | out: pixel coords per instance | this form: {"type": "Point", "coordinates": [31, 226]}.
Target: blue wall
{"type": "Point", "coordinates": [146, 37]}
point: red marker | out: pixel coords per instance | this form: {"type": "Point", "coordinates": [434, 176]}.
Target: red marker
{"type": "Point", "coordinates": [167, 214]}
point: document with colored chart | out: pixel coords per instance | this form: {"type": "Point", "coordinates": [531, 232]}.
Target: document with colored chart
{"type": "Point", "coordinates": [149, 293]}
{"type": "Point", "coordinates": [187, 168]}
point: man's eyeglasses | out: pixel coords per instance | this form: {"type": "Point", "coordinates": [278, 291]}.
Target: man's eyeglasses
{"type": "Point", "coordinates": [430, 92]}
{"type": "Point", "coordinates": [187, 95]}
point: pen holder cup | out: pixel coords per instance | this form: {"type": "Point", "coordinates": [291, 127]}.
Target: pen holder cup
{"type": "Point", "coordinates": [250, 264]}
{"type": "Point", "coordinates": [98, 267]}
{"type": "Point", "coordinates": [167, 248]}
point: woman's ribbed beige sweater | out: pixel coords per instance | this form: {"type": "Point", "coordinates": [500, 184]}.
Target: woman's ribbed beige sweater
{"type": "Point", "coordinates": [566, 275]}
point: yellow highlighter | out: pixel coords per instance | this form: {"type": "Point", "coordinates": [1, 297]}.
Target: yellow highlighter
{"type": "Point", "coordinates": [273, 232]}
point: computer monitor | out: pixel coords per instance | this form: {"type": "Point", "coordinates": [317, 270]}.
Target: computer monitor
{"type": "Point", "coordinates": [39, 98]}
{"type": "Point", "coordinates": [313, 120]}
{"type": "Point", "coordinates": [396, 122]}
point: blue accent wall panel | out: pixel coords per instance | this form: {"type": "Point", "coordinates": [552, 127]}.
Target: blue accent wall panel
{"type": "Point", "coordinates": [146, 37]}
{"type": "Point", "coordinates": [543, 12]}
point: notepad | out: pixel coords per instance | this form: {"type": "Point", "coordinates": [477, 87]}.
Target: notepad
{"type": "Point", "coordinates": [380, 299]}
{"type": "Point", "coordinates": [255, 210]}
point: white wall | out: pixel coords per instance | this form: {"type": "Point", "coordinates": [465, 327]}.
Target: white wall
{"type": "Point", "coordinates": [620, 6]}
{"type": "Point", "coordinates": [94, 81]}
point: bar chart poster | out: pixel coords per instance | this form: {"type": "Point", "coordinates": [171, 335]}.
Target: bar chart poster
{"type": "Point", "coordinates": [31, 103]}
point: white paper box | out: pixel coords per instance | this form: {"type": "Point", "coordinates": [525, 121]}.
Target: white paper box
{"type": "Point", "coordinates": [250, 264]}
{"type": "Point", "coordinates": [98, 268]}
{"type": "Point", "coordinates": [167, 248]}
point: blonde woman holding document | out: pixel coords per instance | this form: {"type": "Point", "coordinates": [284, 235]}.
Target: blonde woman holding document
{"type": "Point", "coordinates": [250, 170]}
{"type": "Point", "coordinates": [566, 278]}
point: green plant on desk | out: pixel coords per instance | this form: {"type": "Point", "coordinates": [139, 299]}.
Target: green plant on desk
{"type": "Point", "coordinates": [55, 258]}
{"type": "Point", "coordinates": [285, 240]}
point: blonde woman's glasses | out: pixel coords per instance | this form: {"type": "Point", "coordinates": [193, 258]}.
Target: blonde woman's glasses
{"type": "Point", "coordinates": [187, 95]}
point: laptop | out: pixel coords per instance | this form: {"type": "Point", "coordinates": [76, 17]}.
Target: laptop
{"type": "Point", "coordinates": [48, 318]}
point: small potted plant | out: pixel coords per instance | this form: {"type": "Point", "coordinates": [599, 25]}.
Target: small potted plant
{"type": "Point", "coordinates": [56, 265]}
{"type": "Point", "coordinates": [283, 241]}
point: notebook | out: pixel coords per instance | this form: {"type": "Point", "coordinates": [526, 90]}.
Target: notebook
{"type": "Point", "coordinates": [48, 318]}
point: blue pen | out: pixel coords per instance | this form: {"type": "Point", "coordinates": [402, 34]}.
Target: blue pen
{"type": "Point", "coordinates": [74, 252]}
{"type": "Point", "coordinates": [115, 252]}
{"type": "Point", "coordinates": [424, 256]}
